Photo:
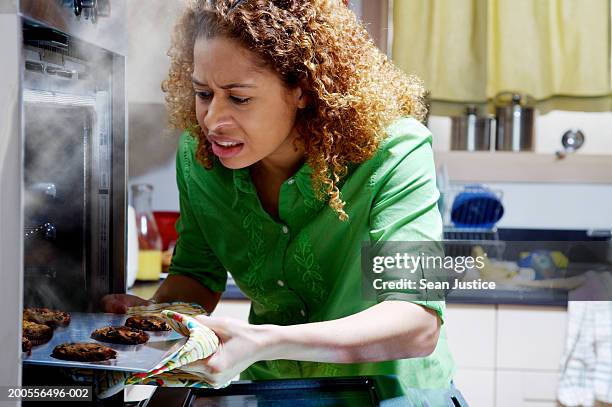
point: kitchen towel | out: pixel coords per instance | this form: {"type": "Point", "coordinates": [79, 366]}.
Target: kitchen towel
{"type": "Point", "coordinates": [586, 366]}
{"type": "Point", "coordinates": [202, 343]}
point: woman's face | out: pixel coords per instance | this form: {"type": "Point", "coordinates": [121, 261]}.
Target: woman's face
{"type": "Point", "coordinates": [246, 112]}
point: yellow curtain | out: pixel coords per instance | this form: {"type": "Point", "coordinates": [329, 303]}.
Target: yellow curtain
{"type": "Point", "coordinates": [470, 50]}
{"type": "Point", "coordinates": [444, 43]}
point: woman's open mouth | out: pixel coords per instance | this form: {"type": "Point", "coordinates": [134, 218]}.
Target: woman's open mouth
{"type": "Point", "coordinates": [226, 149]}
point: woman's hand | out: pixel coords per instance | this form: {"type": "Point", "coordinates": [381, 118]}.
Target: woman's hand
{"type": "Point", "coordinates": [240, 345]}
{"type": "Point", "coordinates": [119, 303]}
{"type": "Point", "coordinates": [387, 331]}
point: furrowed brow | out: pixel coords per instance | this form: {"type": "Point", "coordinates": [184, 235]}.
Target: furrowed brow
{"type": "Point", "coordinates": [225, 87]}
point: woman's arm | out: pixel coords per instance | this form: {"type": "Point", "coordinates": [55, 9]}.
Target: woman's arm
{"type": "Point", "coordinates": [389, 330]}
{"type": "Point", "coordinates": [187, 289]}
{"type": "Point", "coordinates": [386, 331]}
{"type": "Point", "coordinates": [174, 288]}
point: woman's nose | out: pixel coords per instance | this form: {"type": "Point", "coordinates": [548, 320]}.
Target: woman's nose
{"type": "Point", "coordinates": [216, 113]}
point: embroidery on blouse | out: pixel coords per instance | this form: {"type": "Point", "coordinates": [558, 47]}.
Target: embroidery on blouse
{"type": "Point", "coordinates": [309, 267]}
{"type": "Point", "coordinates": [256, 257]}
{"type": "Point", "coordinates": [320, 369]}
{"type": "Point", "coordinates": [187, 157]}
{"type": "Point", "coordinates": [255, 252]}
{"type": "Point", "coordinates": [311, 202]}
{"type": "Point", "coordinates": [286, 368]}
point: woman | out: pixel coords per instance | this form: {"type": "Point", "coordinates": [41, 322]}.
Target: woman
{"type": "Point", "coordinates": [302, 142]}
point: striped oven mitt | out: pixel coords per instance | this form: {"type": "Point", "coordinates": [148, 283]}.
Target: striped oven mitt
{"type": "Point", "coordinates": [201, 344]}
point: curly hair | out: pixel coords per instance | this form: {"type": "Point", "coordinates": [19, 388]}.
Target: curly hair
{"type": "Point", "coordinates": [354, 91]}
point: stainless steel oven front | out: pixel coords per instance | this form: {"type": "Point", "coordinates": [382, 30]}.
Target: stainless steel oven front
{"type": "Point", "coordinates": [74, 180]}
{"type": "Point", "coordinates": [62, 159]}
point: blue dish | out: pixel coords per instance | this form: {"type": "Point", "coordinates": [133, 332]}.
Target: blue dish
{"type": "Point", "coordinates": [476, 207]}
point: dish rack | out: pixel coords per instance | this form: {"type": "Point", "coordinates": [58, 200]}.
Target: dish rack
{"type": "Point", "coordinates": [449, 193]}
{"type": "Point", "coordinates": [460, 239]}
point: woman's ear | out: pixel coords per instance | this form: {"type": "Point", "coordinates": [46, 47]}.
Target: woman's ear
{"type": "Point", "coordinates": [303, 98]}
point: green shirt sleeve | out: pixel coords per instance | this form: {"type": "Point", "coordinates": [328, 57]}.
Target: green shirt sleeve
{"type": "Point", "coordinates": [193, 256]}
{"type": "Point", "coordinates": [405, 204]}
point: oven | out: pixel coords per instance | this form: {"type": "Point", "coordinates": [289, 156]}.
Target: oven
{"type": "Point", "coordinates": [363, 391]}
{"type": "Point", "coordinates": [74, 152]}
{"type": "Point", "coordinates": [62, 160]}
{"type": "Point", "coordinates": [74, 178]}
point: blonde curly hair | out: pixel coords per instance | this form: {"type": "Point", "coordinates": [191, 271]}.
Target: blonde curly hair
{"type": "Point", "coordinates": [354, 91]}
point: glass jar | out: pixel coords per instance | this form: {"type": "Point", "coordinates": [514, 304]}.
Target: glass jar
{"type": "Point", "coordinates": [149, 239]}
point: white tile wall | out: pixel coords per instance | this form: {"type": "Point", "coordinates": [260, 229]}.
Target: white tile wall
{"type": "Point", "coordinates": [597, 128]}
{"type": "Point", "coordinates": [549, 128]}
{"type": "Point", "coordinates": [556, 206]}
{"type": "Point", "coordinates": [553, 206]}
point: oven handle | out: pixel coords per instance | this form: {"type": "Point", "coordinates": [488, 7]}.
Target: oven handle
{"type": "Point", "coordinates": [171, 396]}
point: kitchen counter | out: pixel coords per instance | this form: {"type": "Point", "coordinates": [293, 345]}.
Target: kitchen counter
{"type": "Point", "coordinates": [536, 297]}
{"type": "Point", "coordinates": [526, 296]}
{"type": "Point", "coordinates": [544, 297]}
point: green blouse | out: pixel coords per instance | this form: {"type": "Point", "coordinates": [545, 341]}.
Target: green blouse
{"type": "Point", "coordinates": [306, 268]}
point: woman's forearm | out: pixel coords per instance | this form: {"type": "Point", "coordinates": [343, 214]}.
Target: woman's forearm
{"type": "Point", "coordinates": [183, 288]}
{"type": "Point", "coordinates": [389, 330]}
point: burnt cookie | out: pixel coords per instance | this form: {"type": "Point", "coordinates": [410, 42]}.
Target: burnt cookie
{"type": "Point", "coordinates": [46, 316]}
{"type": "Point", "coordinates": [26, 345]}
{"type": "Point", "coordinates": [120, 334]}
{"type": "Point", "coordinates": [36, 333]}
{"type": "Point", "coordinates": [147, 323]}
{"type": "Point", "coordinates": [83, 352]}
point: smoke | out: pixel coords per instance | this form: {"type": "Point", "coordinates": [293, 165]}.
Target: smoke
{"type": "Point", "coordinates": [67, 99]}
{"type": "Point", "coordinates": [57, 188]}
{"type": "Point", "coordinates": [67, 169]}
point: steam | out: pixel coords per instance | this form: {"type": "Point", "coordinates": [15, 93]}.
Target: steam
{"type": "Point", "coordinates": [66, 101]}
{"type": "Point", "coordinates": [56, 182]}
{"type": "Point", "coordinates": [67, 143]}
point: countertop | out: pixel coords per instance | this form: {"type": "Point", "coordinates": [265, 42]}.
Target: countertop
{"type": "Point", "coordinates": [526, 296]}
{"type": "Point", "coordinates": [536, 297]}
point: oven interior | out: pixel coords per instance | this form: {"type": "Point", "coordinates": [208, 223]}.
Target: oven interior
{"type": "Point", "coordinates": [72, 153]}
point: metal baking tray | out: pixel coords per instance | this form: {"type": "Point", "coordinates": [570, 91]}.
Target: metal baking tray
{"type": "Point", "coordinates": [130, 358]}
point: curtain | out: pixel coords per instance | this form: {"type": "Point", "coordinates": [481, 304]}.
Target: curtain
{"type": "Point", "coordinates": [467, 51]}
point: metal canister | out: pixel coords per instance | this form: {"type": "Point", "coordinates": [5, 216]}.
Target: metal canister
{"type": "Point", "coordinates": [515, 122]}
{"type": "Point", "coordinates": [471, 132]}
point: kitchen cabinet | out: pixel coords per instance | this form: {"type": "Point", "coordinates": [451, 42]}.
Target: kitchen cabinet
{"type": "Point", "coordinates": [476, 385]}
{"type": "Point", "coordinates": [522, 388]}
{"type": "Point", "coordinates": [471, 335]}
{"type": "Point", "coordinates": [507, 355]}
{"type": "Point", "coordinates": [471, 338]}
{"type": "Point", "coordinates": [530, 338]}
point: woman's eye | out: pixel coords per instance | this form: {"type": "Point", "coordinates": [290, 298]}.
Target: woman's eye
{"type": "Point", "coordinates": [207, 96]}
{"type": "Point", "coordinates": [204, 95]}
{"type": "Point", "coordinates": [240, 101]}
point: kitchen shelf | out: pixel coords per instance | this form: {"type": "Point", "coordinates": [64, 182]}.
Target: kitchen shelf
{"type": "Point", "coordinates": [499, 166]}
